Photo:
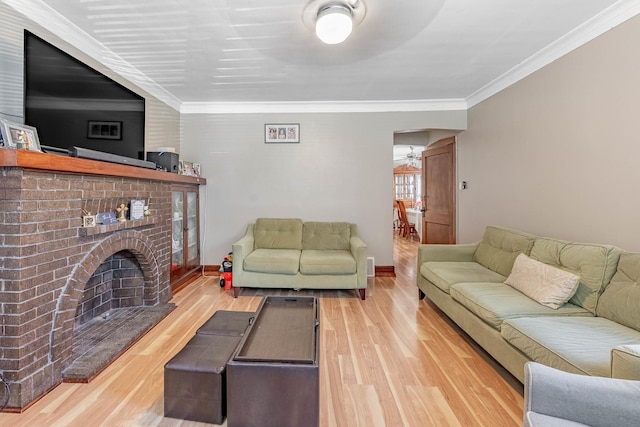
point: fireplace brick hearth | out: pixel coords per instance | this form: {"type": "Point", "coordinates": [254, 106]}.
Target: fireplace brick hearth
{"type": "Point", "coordinates": [47, 258]}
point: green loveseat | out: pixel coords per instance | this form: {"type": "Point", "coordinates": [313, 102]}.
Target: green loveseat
{"type": "Point", "coordinates": [597, 332]}
{"type": "Point", "coordinates": [289, 253]}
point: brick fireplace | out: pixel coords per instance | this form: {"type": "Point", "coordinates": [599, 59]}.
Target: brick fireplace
{"type": "Point", "coordinates": [55, 274]}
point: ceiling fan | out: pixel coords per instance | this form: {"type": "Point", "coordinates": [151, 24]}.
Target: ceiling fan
{"type": "Point", "coordinates": [407, 155]}
{"type": "Point", "coordinates": [413, 159]}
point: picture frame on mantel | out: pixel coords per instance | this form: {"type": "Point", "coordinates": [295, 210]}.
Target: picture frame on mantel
{"type": "Point", "coordinates": [20, 136]}
{"type": "Point", "coordinates": [275, 133]}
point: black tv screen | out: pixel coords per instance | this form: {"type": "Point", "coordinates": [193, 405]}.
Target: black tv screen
{"type": "Point", "coordinates": [71, 104]}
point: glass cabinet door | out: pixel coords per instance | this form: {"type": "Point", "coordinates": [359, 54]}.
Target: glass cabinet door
{"type": "Point", "coordinates": [177, 235]}
{"type": "Point", "coordinates": [407, 186]}
{"type": "Point", "coordinates": [399, 187]}
{"type": "Point", "coordinates": [193, 253]}
{"type": "Point", "coordinates": [185, 249]}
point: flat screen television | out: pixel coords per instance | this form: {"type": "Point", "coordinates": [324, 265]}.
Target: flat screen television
{"type": "Point", "coordinates": [71, 104]}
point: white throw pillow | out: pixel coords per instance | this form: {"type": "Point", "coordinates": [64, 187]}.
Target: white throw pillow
{"type": "Point", "coordinates": [543, 283]}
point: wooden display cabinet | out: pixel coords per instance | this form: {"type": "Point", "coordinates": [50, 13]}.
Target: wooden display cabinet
{"type": "Point", "coordinates": [185, 235]}
{"type": "Point", "coordinates": [406, 184]}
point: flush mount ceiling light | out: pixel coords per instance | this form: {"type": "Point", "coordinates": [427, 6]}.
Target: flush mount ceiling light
{"type": "Point", "coordinates": [333, 21]}
{"type": "Point", "coordinates": [334, 24]}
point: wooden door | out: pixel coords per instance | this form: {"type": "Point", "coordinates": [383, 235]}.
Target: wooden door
{"type": "Point", "coordinates": [439, 195]}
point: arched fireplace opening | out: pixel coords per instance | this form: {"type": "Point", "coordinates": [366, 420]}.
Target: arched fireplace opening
{"type": "Point", "coordinates": [111, 299]}
{"type": "Point", "coordinates": [117, 283]}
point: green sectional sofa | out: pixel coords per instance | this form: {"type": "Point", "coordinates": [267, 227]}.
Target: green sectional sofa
{"type": "Point", "coordinates": [596, 332]}
{"type": "Point", "coordinates": [290, 253]}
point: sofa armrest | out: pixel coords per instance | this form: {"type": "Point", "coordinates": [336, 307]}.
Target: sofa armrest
{"type": "Point", "coordinates": [594, 401]}
{"type": "Point", "coordinates": [241, 249]}
{"type": "Point", "coordinates": [459, 253]}
{"type": "Point", "coordinates": [625, 362]}
{"type": "Point", "coordinates": [359, 251]}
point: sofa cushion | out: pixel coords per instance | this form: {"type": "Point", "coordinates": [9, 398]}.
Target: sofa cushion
{"type": "Point", "coordinates": [547, 285]}
{"type": "Point", "coordinates": [496, 302]}
{"type": "Point", "coordinates": [278, 233]}
{"type": "Point", "coordinates": [621, 298]}
{"type": "Point", "coordinates": [573, 344]}
{"type": "Point", "coordinates": [282, 261]}
{"type": "Point", "coordinates": [327, 262]}
{"type": "Point", "coordinates": [595, 264]}
{"type": "Point", "coordinates": [444, 274]}
{"type": "Point", "coordinates": [499, 248]}
{"type": "Point", "coordinates": [326, 235]}
{"type": "Point", "coordinates": [625, 362]}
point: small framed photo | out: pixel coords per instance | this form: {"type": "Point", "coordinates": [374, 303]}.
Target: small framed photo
{"type": "Point", "coordinates": [104, 130]}
{"type": "Point", "coordinates": [282, 132]}
{"type": "Point", "coordinates": [187, 168]}
{"type": "Point", "coordinates": [197, 169]}
{"type": "Point", "coordinates": [15, 135]}
{"type": "Point", "coordinates": [89, 221]}
{"type": "Point", "coordinates": [136, 209]}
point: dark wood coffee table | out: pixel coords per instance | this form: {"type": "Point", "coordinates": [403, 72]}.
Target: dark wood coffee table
{"type": "Point", "coordinates": [273, 377]}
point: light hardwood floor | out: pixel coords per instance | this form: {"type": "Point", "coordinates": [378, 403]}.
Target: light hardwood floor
{"type": "Point", "coordinates": [390, 360]}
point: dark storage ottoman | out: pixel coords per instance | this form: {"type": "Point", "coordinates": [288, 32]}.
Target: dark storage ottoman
{"type": "Point", "coordinates": [195, 378]}
{"type": "Point", "coordinates": [273, 378]}
{"type": "Point", "coordinates": [231, 323]}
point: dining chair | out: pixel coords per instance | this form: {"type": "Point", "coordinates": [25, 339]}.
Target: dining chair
{"type": "Point", "coordinates": [406, 228]}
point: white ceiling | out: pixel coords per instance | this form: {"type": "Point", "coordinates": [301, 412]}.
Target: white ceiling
{"type": "Point", "coordinates": [196, 54]}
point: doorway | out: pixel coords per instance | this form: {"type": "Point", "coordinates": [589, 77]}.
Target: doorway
{"type": "Point", "coordinates": [407, 182]}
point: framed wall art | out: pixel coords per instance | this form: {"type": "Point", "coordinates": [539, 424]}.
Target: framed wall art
{"type": "Point", "coordinates": [104, 130]}
{"type": "Point", "coordinates": [20, 136]}
{"type": "Point", "coordinates": [281, 132]}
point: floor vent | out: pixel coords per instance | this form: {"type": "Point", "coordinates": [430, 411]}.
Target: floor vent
{"type": "Point", "coordinates": [371, 266]}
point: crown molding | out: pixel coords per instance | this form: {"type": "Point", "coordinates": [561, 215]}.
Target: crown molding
{"type": "Point", "coordinates": [51, 20]}
{"type": "Point", "coordinates": [322, 106]}
{"type": "Point", "coordinates": [611, 17]}
{"type": "Point", "coordinates": [48, 18]}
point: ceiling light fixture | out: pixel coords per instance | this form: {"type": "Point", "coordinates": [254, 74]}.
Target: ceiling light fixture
{"type": "Point", "coordinates": [334, 24]}
{"type": "Point", "coordinates": [333, 21]}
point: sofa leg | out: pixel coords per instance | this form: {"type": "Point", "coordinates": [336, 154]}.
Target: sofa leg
{"type": "Point", "coordinates": [236, 291]}
{"type": "Point", "coordinates": [363, 293]}
{"type": "Point", "coordinates": [421, 294]}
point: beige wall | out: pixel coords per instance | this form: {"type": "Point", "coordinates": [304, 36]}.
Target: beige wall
{"type": "Point", "coordinates": [342, 170]}
{"type": "Point", "coordinates": [558, 153]}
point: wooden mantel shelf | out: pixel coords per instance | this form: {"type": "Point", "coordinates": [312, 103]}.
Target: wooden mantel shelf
{"type": "Point", "coordinates": [56, 163]}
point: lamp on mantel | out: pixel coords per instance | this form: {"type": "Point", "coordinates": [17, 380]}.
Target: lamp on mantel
{"type": "Point", "coordinates": [333, 21]}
